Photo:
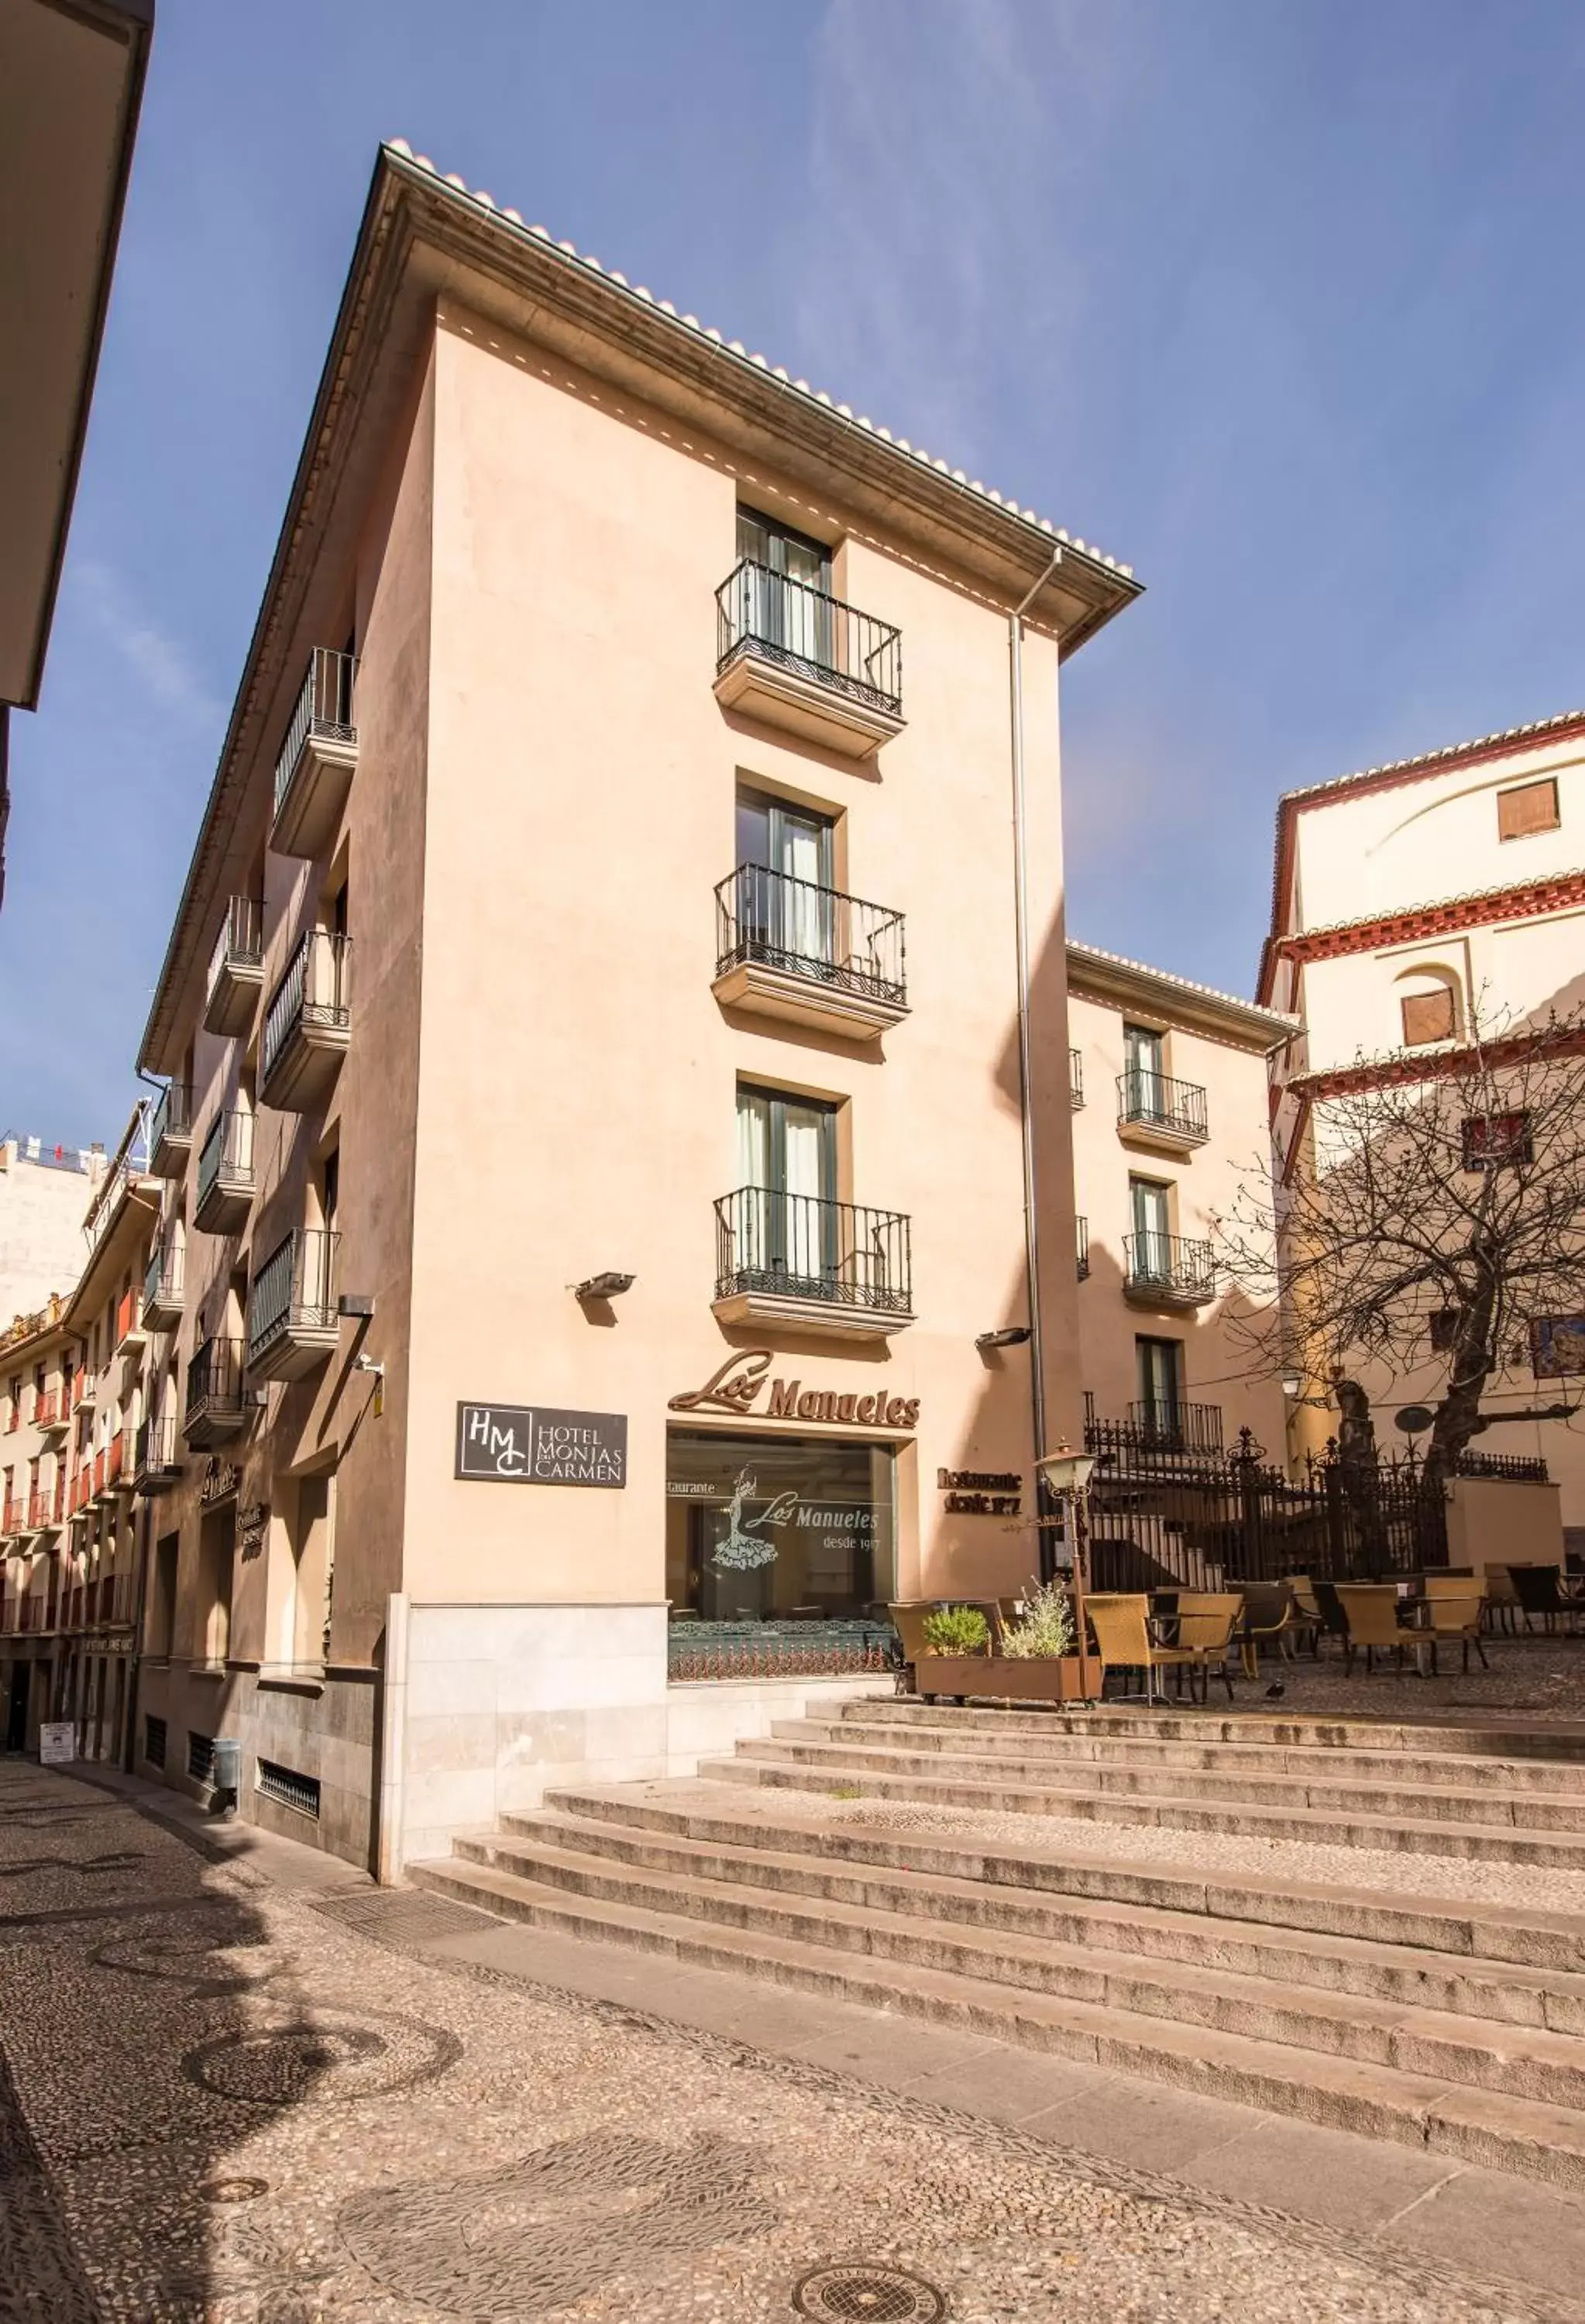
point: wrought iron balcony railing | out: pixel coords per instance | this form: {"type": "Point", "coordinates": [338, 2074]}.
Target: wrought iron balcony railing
{"type": "Point", "coordinates": [295, 1290]}
{"type": "Point", "coordinates": [48, 1410]}
{"type": "Point", "coordinates": [214, 1391]}
{"type": "Point", "coordinates": [1170, 1264]}
{"type": "Point", "coordinates": [236, 966]}
{"type": "Point", "coordinates": [808, 931]}
{"type": "Point", "coordinates": [226, 1161]}
{"type": "Point", "coordinates": [1148, 1100]}
{"type": "Point", "coordinates": [1082, 1226]}
{"type": "Point", "coordinates": [162, 1281]}
{"type": "Point", "coordinates": [311, 996]}
{"type": "Point", "coordinates": [1076, 1078]}
{"type": "Point", "coordinates": [767, 613]}
{"type": "Point", "coordinates": [1167, 1425]}
{"type": "Point", "coordinates": [172, 1124]}
{"type": "Point", "coordinates": [802, 1247]}
{"type": "Point", "coordinates": [326, 707]}
{"type": "Point", "coordinates": [155, 1463]}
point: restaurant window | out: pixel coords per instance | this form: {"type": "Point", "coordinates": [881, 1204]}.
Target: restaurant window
{"type": "Point", "coordinates": [769, 1528]}
{"type": "Point", "coordinates": [1528, 808]}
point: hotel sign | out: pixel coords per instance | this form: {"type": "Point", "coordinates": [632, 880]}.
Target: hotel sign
{"type": "Point", "coordinates": [735, 1388]}
{"type": "Point", "coordinates": [536, 1444]}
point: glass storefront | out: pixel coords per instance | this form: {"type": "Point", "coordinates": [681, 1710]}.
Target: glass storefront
{"type": "Point", "coordinates": [779, 1528]}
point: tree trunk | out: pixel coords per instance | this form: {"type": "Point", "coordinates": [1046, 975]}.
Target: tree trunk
{"type": "Point", "coordinates": [1458, 1413]}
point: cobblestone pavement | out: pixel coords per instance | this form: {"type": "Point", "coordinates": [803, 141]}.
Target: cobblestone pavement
{"type": "Point", "coordinates": [1530, 1674]}
{"type": "Point", "coordinates": [221, 2099]}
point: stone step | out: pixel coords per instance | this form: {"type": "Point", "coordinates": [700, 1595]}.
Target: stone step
{"type": "Point", "coordinates": [834, 1743]}
{"type": "Point", "coordinates": [1523, 2061]}
{"type": "Point", "coordinates": [1051, 1740]}
{"type": "Point", "coordinates": [1557, 1741]}
{"type": "Point", "coordinates": [858, 1774]}
{"type": "Point", "coordinates": [1404, 1978]}
{"type": "Point", "coordinates": [1482, 2125]}
{"type": "Point", "coordinates": [725, 1815]}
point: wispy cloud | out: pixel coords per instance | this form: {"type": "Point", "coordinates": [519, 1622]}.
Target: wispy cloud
{"type": "Point", "coordinates": [157, 661]}
{"type": "Point", "coordinates": [934, 269]}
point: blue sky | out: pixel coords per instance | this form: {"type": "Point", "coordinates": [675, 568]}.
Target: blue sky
{"type": "Point", "coordinates": [1280, 304]}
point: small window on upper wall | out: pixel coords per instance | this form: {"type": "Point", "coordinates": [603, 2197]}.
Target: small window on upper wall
{"type": "Point", "coordinates": [1530, 806]}
{"type": "Point", "coordinates": [1490, 1140]}
{"type": "Point", "coordinates": [1428, 1017]}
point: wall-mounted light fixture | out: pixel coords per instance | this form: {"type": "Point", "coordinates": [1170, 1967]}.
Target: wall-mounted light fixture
{"type": "Point", "coordinates": [1011, 1335]}
{"type": "Point", "coordinates": [607, 1286]}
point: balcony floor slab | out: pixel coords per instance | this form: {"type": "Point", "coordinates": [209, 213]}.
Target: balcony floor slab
{"type": "Point", "coordinates": [777, 1311]}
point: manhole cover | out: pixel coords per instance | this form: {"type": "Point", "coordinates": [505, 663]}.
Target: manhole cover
{"type": "Point", "coordinates": [848, 2288]}
{"type": "Point", "coordinates": [234, 2190]}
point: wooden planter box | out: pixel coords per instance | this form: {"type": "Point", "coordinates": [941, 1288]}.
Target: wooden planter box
{"type": "Point", "coordinates": [1072, 1678]}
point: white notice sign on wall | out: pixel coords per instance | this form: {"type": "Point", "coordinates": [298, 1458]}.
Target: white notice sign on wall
{"type": "Point", "coordinates": [57, 1742]}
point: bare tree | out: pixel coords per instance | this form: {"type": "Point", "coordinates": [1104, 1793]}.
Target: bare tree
{"type": "Point", "coordinates": [1436, 1210]}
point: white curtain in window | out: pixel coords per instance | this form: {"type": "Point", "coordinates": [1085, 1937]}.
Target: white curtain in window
{"type": "Point", "coordinates": [806, 1156]}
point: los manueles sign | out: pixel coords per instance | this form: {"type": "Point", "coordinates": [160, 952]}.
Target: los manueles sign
{"type": "Point", "coordinates": [736, 1387]}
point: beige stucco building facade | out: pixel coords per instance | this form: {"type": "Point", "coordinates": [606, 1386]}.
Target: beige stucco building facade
{"type": "Point", "coordinates": [593, 1145]}
{"type": "Point", "coordinates": [1168, 1083]}
{"type": "Point", "coordinates": [1410, 902]}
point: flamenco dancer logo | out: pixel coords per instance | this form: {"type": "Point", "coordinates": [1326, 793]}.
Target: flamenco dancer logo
{"type": "Point", "coordinates": [745, 1546]}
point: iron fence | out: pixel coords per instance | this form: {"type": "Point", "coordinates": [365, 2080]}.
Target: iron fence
{"type": "Point", "coordinates": [699, 1651]}
{"type": "Point", "coordinates": [1161, 1518]}
{"type": "Point", "coordinates": [1149, 1101]}
{"type": "Point", "coordinates": [1175, 1266]}
{"type": "Point", "coordinates": [226, 1159]}
{"type": "Point", "coordinates": [241, 941]}
{"type": "Point", "coordinates": [312, 990]}
{"type": "Point", "coordinates": [295, 1289]}
{"type": "Point", "coordinates": [809, 931]}
{"type": "Point", "coordinates": [769, 615]}
{"type": "Point", "coordinates": [1518, 1467]}
{"type": "Point", "coordinates": [803, 1247]}
{"type": "Point", "coordinates": [324, 707]}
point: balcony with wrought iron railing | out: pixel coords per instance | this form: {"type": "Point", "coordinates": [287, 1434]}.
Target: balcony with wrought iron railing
{"type": "Point", "coordinates": [307, 1023]}
{"type": "Point", "coordinates": [1153, 1110]}
{"type": "Point", "coordinates": [1083, 1228]}
{"type": "Point", "coordinates": [810, 1265]}
{"type": "Point", "coordinates": [156, 1464]}
{"type": "Point", "coordinates": [170, 1133]}
{"type": "Point", "coordinates": [1075, 1078]}
{"type": "Point", "coordinates": [49, 1411]}
{"type": "Point", "coordinates": [1168, 1270]}
{"type": "Point", "coordinates": [796, 657]}
{"type": "Point", "coordinates": [789, 949]}
{"type": "Point", "coordinates": [225, 1174]}
{"type": "Point", "coordinates": [162, 1282]}
{"type": "Point", "coordinates": [317, 757]}
{"type": "Point", "coordinates": [12, 1515]}
{"type": "Point", "coordinates": [40, 1509]}
{"type": "Point", "coordinates": [131, 1331]}
{"type": "Point", "coordinates": [215, 1395]}
{"type": "Point", "coordinates": [1166, 1425]}
{"type": "Point", "coordinates": [236, 968]}
{"type": "Point", "coordinates": [292, 1318]}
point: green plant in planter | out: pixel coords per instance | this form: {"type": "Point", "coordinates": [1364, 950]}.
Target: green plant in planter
{"type": "Point", "coordinates": [1045, 1630]}
{"type": "Point", "coordinates": [956, 1631]}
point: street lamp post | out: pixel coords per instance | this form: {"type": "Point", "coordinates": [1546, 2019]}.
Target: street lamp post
{"type": "Point", "coordinates": [1067, 1475]}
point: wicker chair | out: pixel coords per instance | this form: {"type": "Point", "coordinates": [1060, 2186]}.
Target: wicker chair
{"type": "Point", "coordinates": [1454, 1606]}
{"type": "Point", "coordinates": [1207, 1620]}
{"type": "Point", "coordinates": [1123, 1641]}
{"type": "Point", "coordinates": [1370, 1609]}
{"type": "Point", "coordinates": [1269, 1613]}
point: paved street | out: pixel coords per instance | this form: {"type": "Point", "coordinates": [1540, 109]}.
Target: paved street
{"type": "Point", "coordinates": [226, 2097]}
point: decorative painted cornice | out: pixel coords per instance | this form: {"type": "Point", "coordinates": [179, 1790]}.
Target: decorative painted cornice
{"type": "Point", "coordinates": [1567, 725]}
{"type": "Point", "coordinates": [1530, 901]}
{"type": "Point", "coordinates": [1405, 1066]}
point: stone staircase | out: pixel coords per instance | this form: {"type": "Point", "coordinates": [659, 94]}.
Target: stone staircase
{"type": "Point", "coordinates": [1439, 2022]}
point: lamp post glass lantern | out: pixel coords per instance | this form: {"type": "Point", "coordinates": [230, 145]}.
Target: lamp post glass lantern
{"type": "Point", "coordinates": [1066, 1476]}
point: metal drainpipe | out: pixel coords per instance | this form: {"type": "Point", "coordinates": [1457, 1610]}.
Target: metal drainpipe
{"type": "Point", "coordinates": [1026, 1086]}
